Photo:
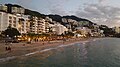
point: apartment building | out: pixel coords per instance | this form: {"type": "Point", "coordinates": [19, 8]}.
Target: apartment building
{"type": "Point", "coordinates": [41, 26]}
{"type": "Point", "coordinates": [33, 25]}
{"type": "Point", "coordinates": [48, 24]}
{"type": "Point", "coordinates": [23, 24]}
{"type": "Point", "coordinates": [6, 20]}
{"type": "Point", "coordinates": [37, 25]}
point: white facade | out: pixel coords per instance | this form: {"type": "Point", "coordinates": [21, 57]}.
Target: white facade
{"type": "Point", "coordinates": [37, 25]}
{"type": "Point", "coordinates": [47, 19]}
{"type": "Point", "coordinates": [23, 24]}
{"type": "Point", "coordinates": [14, 21]}
{"type": "Point", "coordinates": [41, 26]}
{"type": "Point", "coordinates": [7, 20]}
{"type": "Point", "coordinates": [117, 29]}
{"type": "Point", "coordinates": [33, 25]}
{"type": "Point", "coordinates": [64, 20]}
{"type": "Point", "coordinates": [59, 29]}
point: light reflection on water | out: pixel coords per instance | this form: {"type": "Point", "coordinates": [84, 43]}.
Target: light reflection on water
{"type": "Point", "coordinates": [94, 53]}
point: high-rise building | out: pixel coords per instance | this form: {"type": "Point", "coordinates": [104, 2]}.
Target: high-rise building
{"type": "Point", "coordinates": [19, 22]}
{"type": "Point", "coordinates": [41, 26]}
{"type": "Point", "coordinates": [37, 25]}
{"type": "Point", "coordinates": [23, 24]}
{"type": "Point", "coordinates": [33, 25]}
{"type": "Point", "coordinates": [47, 24]}
{"type": "Point", "coordinates": [6, 20]}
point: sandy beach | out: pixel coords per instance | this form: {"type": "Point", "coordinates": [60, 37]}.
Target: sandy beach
{"type": "Point", "coordinates": [24, 49]}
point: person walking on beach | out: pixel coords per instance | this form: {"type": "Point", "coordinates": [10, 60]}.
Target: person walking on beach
{"type": "Point", "coordinates": [8, 48]}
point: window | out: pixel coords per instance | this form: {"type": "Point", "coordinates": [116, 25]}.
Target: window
{"type": "Point", "coordinates": [10, 21]}
{"type": "Point", "coordinates": [14, 21]}
{"type": "Point", "coordinates": [14, 25]}
{"type": "Point", "coordinates": [10, 24]}
{"type": "Point", "coordinates": [10, 17]}
{"type": "Point", "coordinates": [14, 18]}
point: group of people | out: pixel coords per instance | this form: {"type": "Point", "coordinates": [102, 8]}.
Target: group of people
{"type": "Point", "coordinates": [8, 48]}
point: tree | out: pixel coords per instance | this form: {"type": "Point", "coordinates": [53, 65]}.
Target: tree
{"type": "Point", "coordinates": [11, 32]}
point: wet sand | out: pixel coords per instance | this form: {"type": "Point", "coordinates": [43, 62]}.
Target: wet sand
{"type": "Point", "coordinates": [22, 49]}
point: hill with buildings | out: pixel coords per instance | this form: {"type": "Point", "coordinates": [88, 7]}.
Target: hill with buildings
{"type": "Point", "coordinates": [29, 21]}
{"type": "Point", "coordinates": [56, 17]}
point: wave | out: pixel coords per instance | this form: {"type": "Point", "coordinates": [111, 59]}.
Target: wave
{"type": "Point", "coordinates": [7, 59]}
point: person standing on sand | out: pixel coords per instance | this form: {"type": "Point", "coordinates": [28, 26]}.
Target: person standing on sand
{"type": "Point", "coordinates": [8, 46]}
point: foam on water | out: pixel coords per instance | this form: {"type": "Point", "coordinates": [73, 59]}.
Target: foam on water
{"type": "Point", "coordinates": [47, 49]}
{"type": "Point", "coordinates": [31, 53]}
{"type": "Point", "coordinates": [7, 59]}
{"type": "Point", "coordinates": [64, 45]}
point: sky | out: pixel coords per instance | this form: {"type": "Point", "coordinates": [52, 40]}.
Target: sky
{"type": "Point", "coordinates": [105, 12]}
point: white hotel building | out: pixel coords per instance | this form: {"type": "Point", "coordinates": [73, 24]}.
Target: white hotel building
{"type": "Point", "coordinates": [6, 20]}
{"type": "Point", "coordinates": [15, 21]}
{"type": "Point", "coordinates": [37, 25]}
{"type": "Point", "coordinates": [59, 29]}
{"type": "Point", "coordinates": [23, 23]}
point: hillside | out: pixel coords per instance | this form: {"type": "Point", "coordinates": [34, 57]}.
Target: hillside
{"type": "Point", "coordinates": [55, 17]}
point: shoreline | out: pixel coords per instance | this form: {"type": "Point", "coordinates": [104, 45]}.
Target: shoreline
{"type": "Point", "coordinates": [29, 49]}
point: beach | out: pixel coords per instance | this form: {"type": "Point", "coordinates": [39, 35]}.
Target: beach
{"type": "Point", "coordinates": [25, 49]}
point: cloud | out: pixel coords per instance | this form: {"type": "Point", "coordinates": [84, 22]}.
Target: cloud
{"type": "Point", "coordinates": [101, 14]}
{"type": "Point", "coordinates": [58, 10]}
{"type": "Point", "coordinates": [52, 7]}
{"type": "Point", "coordinates": [57, 7]}
{"type": "Point", "coordinates": [103, 2]}
{"type": "Point", "coordinates": [26, 3]}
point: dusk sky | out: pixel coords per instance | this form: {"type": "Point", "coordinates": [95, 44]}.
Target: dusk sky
{"type": "Point", "coordinates": [98, 11]}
